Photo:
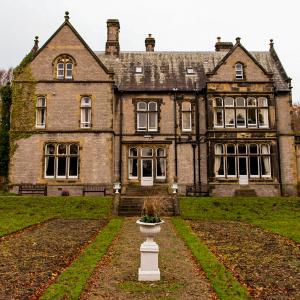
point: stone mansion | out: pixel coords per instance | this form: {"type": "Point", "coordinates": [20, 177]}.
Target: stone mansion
{"type": "Point", "coordinates": [214, 122]}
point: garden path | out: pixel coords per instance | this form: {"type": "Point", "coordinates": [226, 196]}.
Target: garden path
{"type": "Point", "coordinates": [116, 275]}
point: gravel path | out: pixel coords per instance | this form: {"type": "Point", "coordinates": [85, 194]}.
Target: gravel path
{"type": "Point", "coordinates": [116, 275]}
{"type": "Point", "coordinates": [35, 256]}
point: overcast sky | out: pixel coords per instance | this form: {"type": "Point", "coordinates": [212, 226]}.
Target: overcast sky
{"type": "Point", "coordinates": [177, 25]}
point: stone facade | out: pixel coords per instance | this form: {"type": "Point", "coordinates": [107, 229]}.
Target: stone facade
{"type": "Point", "coordinates": [155, 118]}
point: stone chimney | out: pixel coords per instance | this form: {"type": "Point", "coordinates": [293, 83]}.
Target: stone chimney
{"type": "Point", "coordinates": [112, 43]}
{"type": "Point", "coordinates": [223, 46]}
{"type": "Point", "coordinates": [150, 43]}
{"type": "Point", "coordinates": [35, 47]}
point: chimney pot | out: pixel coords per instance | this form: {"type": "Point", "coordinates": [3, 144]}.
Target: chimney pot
{"type": "Point", "coordinates": [223, 46]}
{"type": "Point", "coordinates": [150, 43]}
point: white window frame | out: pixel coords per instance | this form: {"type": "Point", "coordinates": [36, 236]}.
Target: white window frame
{"type": "Point", "coordinates": [85, 106]}
{"type": "Point", "coordinates": [267, 155]}
{"type": "Point", "coordinates": [138, 70]}
{"type": "Point", "coordinates": [42, 110]}
{"type": "Point", "coordinates": [165, 163]}
{"type": "Point", "coordinates": [131, 157]}
{"type": "Point", "coordinates": [239, 71]}
{"type": "Point", "coordinates": [190, 71]}
{"type": "Point", "coordinates": [221, 156]}
{"type": "Point", "coordinates": [189, 113]}
{"type": "Point", "coordinates": [235, 158]}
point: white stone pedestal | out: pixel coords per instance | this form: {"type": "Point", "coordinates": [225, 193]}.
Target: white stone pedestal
{"type": "Point", "coordinates": [149, 270]}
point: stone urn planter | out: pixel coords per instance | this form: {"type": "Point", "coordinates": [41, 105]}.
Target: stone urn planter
{"type": "Point", "coordinates": [149, 249]}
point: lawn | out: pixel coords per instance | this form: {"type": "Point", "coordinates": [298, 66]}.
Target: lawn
{"type": "Point", "coordinates": [280, 215]}
{"type": "Point", "coordinates": [20, 212]}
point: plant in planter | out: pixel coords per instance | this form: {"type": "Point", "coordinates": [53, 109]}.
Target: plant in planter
{"type": "Point", "coordinates": [150, 223]}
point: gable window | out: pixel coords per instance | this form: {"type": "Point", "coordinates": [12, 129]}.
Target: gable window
{"type": "Point", "coordinates": [239, 71]}
{"type": "Point", "coordinates": [252, 160]}
{"type": "Point", "coordinates": [86, 112]}
{"type": "Point", "coordinates": [186, 116]}
{"type": "Point", "coordinates": [64, 67]}
{"type": "Point", "coordinates": [61, 160]}
{"type": "Point", "coordinates": [40, 121]}
{"type": "Point", "coordinates": [147, 116]}
{"type": "Point", "coordinates": [241, 113]}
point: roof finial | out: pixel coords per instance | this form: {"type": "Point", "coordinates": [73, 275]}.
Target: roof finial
{"type": "Point", "coordinates": [35, 47]}
{"type": "Point", "coordinates": [218, 39]}
{"type": "Point", "coordinates": [271, 44]}
{"type": "Point", "coordinates": [67, 16]}
{"type": "Point", "coordinates": [238, 40]}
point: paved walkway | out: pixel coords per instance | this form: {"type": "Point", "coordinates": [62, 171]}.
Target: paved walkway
{"type": "Point", "coordinates": [116, 276]}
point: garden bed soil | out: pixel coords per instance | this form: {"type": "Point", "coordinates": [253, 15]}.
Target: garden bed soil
{"type": "Point", "coordinates": [267, 263]}
{"type": "Point", "coordinates": [116, 274]}
{"type": "Point", "coordinates": [33, 258]}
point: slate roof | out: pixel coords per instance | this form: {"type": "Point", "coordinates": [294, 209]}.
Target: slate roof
{"type": "Point", "coordinates": [163, 71]}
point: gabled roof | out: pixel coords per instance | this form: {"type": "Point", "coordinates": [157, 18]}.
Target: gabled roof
{"type": "Point", "coordinates": [239, 45]}
{"type": "Point", "coordinates": [67, 23]}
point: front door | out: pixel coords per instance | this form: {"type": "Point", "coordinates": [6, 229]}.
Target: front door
{"type": "Point", "coordinates": [147, 172]}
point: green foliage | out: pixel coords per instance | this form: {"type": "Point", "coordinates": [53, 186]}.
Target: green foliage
{"type": "Point", "coordinates": [24, 63]}
{"type": "Point", "coordinates": [6, 96]}
{"type": "Point", "coordinates": [150, 219]}
{"type": "Point", "coordinates": [225, 285]}
{"type": "Point", "coordinates": [72, 281]}
{"type": "Point", "coordinates": [277, 214]}
{"type": "Point", "coordinates": [20, 212]}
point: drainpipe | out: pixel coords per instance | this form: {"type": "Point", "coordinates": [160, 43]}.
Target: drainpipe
{"type": "Point", "coordinates": [121, 134]}
{"type": "Point", "coordinates": [198, 136]}
{"type": "Point", "coordinates": [175, 131]}
{"type": "Point", "coordinates": [194, 162]}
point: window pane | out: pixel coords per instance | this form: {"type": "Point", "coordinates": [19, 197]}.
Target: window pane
{"type": "Point", "coordinates": [262, 102]}
{"type": "Point", "coordinates": [86, 117]}
{"type": "Point", "coordinates": [73, 167]}
{"type": "Point", "coordinates": [219, 149]}
{"type": "Point", "coordinates": [147, 152]}
{"type": "Point", "coordinates": [231, 168]}
{"type": "Point", "coordinates": [62, 149]}
{"type": "Point", "coordinates": [50, 149]}
{"type": "Point", "coordinates": [230, 149]}
{"type": "Point", "coordinates": [265, 166]}
{"type": "Point", "coordinates": [60, 70]}
{"type": "Point", "coordinates": [240, 101]}
{"type": "Point", "coordinates": [69, 70]}
{"type": "Point", "coordinates": [161, 167]}
{"type": "Point", "coordinates": [86, 101]}
{"type": "Point", "coordinates": [242, 149]}
{"type": "Point", "coordinates": [152, 121]}
{"type": "Point", "coordinates": [41, 102]}
{"type": "Point", "coordinates": [251, 101]}
{"type": "Point", "coordinates": [252, 117]}
{"type": "Point", "coordinates": [142, 106]}
{"type": "Point", "coordinates": [161, 152]}
{"type": "Point", "coordinates": [142, 121]}
{"type": "Point", "coordinates": [132, 152]}
{"type": "Point", "coordinates": [254, 166]}
{"type": "Point", "coordinates": [253, 149]}
{"type": "Point", "coordinates": [265, 149]}
{"type": "Point", "coordinates": [229, 118]}
{"type": "Point", "coordinates": [263, 117]}
{"type": "Point", "coordinates": [219, 117]}
{"type": "Point", "coordinates": [186, 121]}
{"type": "Point", "coordinates": [73, 149]}
{"type": "Point", "coordinates": [41, 117]}
{"type": "Point", "coordinates": [218, 102]}
{"type": "Point", "coordinates": [240, 117]}
{"type": "Point", "coordinates": [219, 166]}
{"type": "Point", "coordinates": [242, 166]}
{"type": "Point", "coordinates": [229, 101]}
{"type": "Point", "coordinates": [152, 106]}
{"type": "Point", "coordinates": [61, 166]}
{"type": "Point", "coordinates": [133, 167]}
{"type": "Point", "coordinates": [49, 165]}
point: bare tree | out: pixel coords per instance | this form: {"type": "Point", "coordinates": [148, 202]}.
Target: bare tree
{"type": "Point", "coordinates": [6, 76]}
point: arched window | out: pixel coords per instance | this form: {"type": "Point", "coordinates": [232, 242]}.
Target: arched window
{"type": "Point", "coordinates": [239, 71]}
{"type": "Point", "coordinates": [64, 67]}
{"type": "Point", "coordinates": [147, 116]}
{"type": "Point", "coordinates": [40, 121]}
{"type": "Point", "coordinates": [160, 163]}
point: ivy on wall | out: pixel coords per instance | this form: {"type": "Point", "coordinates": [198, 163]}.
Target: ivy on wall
{"type": "Point", "coordinates": [6, 96]}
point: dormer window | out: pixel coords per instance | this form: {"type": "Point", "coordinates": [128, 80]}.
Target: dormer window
{"type": "Point", "coordinates": [190, 71]}
{"type": "Point", "coordinates": [138, 70]}
{"type": "Point", "coordinates": [239, 71]}
{"type": "Point", "coordinates": [64, 67]}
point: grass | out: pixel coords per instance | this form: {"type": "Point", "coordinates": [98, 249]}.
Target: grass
{"type": "Point", "coordinates": [277, 214]}
{"type": "Point", "coordinates": [72, 281]}
{"type": "Point", "coordinates": [20, 212]}
{"type": "Point", "coordinates": [223, 282]}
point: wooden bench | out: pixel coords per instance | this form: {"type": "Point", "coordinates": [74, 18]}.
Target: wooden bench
{"type": "Point", "coordinates": [93, 188]}
{"type": "Point", "coordinates": [33, 189]}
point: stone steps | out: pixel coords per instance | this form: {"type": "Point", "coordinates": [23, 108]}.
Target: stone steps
{"type": "Point", "coordinates": [245, 192]}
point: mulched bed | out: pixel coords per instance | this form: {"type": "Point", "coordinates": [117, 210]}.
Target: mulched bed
{"type": "Point", "coordinates": [267, 263]}
{"type": "Point", "coordinates": [31, 259]}
{"type": "Point", "coordinates": [116, 275]}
